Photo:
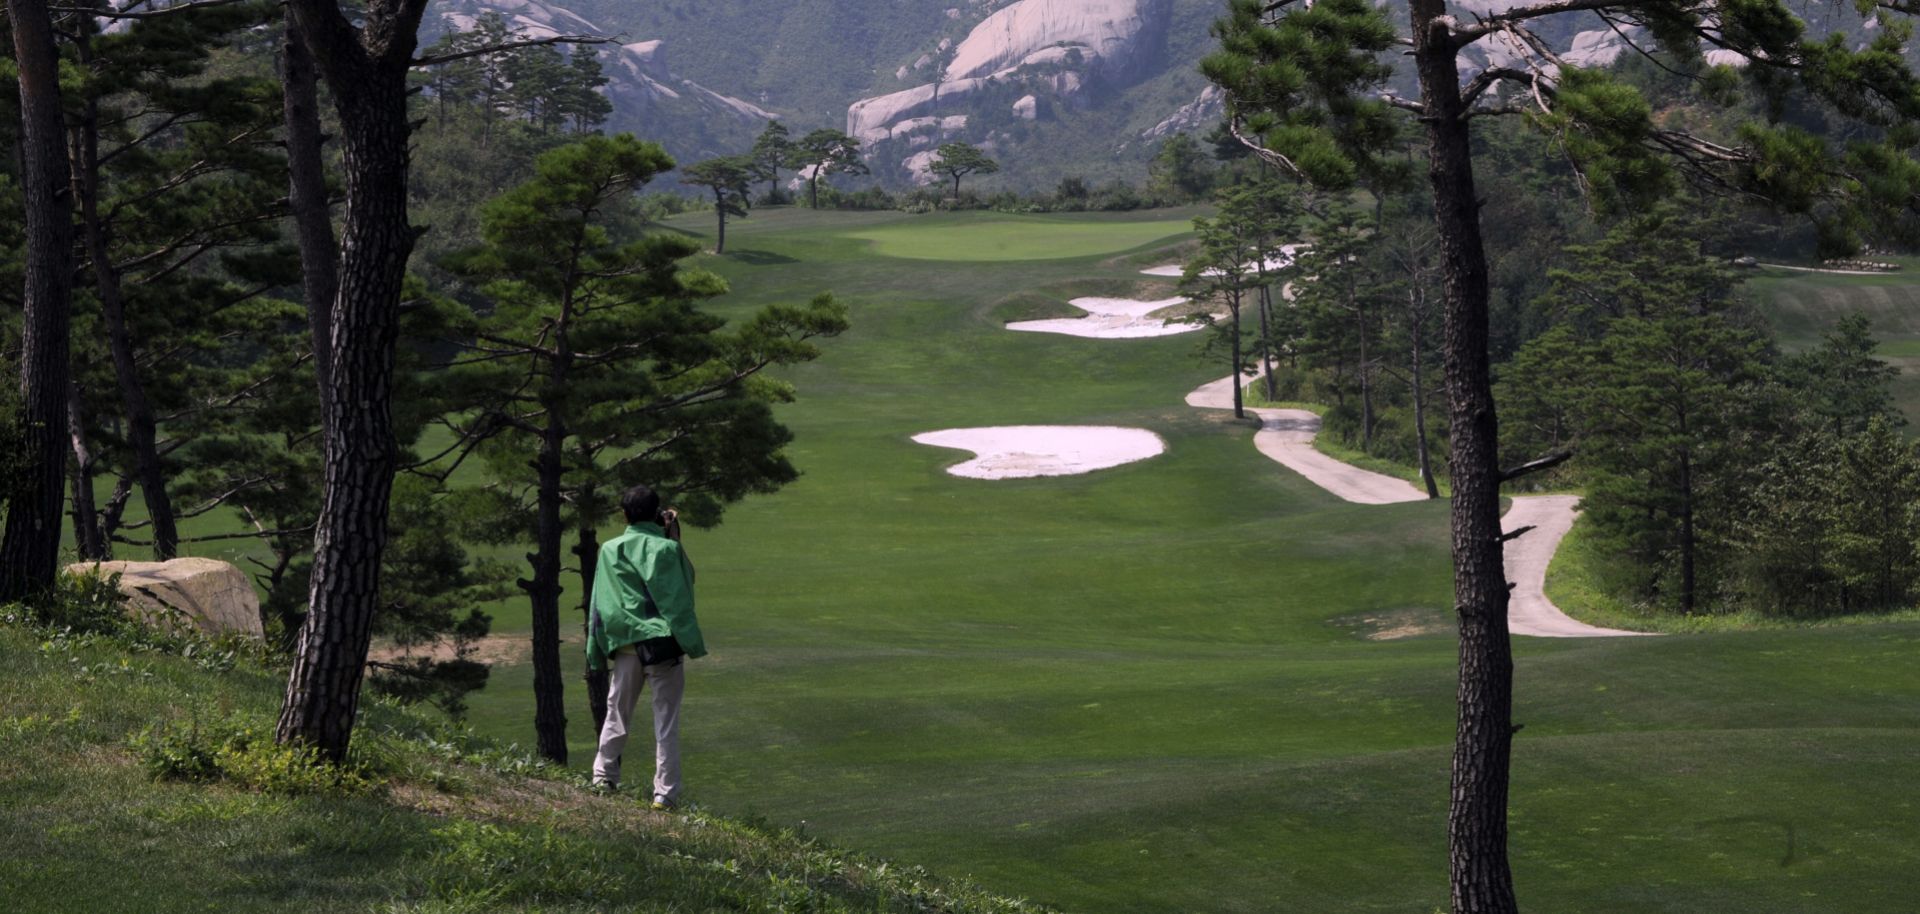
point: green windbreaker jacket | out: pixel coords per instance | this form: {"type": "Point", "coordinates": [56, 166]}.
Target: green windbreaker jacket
{"type": "Point", "coordinates": [620, 613]}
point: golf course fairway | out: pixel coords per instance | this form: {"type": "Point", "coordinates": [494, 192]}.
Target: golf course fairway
{"type": "Point", "coordinates": [1162, 687]}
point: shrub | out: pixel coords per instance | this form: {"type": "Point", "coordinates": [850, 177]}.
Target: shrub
{"type": "Point", "coordinates": [89, 603]}
{"type": "Point", "coordinates": [245, 757]}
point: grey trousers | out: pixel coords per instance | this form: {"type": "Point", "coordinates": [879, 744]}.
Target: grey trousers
{"type": "Point", "coordinates": [668, 680]}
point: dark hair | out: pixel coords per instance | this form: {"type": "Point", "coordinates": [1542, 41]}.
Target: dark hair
{"type": "Point", "coordinates": [642, 505]}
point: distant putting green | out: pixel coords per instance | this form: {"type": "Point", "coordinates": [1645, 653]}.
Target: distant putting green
{"type": "Point", "coordinates": [1802, 306]}
{"type": "Point", "coordinates": [1010, 238]}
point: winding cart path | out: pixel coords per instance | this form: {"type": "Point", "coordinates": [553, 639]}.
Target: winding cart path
{"type": "Point", "coordinates": [1286, 436]}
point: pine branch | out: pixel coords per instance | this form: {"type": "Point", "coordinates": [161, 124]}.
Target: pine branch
{"type": "Point", "coordinates": [438, 59]}
{"type": "Point", "coordinates": [1536, 466]}
{"type": "Point", "coordinates": [127, 12]}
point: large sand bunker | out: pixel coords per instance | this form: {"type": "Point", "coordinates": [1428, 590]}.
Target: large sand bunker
{"type": "Point", "coordinates": [1022, 451]}
{"type": "Point", "coordinates": [1111, 319]}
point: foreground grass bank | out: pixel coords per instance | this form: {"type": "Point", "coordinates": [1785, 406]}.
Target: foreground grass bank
{"type": "Point", "coordinates": [431, 822]}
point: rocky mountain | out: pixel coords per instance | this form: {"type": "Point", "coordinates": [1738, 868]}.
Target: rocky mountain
{"type": "Point", "coordinates": [691, 120]}
{"type": "Point", "coordinates": [1052, 88]}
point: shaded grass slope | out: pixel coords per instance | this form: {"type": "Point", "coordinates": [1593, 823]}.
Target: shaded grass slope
{"type": "Point", "coordinates": [436, 823]}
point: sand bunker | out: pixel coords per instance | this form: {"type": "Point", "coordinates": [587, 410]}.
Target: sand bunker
{"type": "Point", "coordinates": [1272, 264]}
{"type": "Point", "coordinates": [1111, 319]}
{"type": "Point", "coordinates": [1022, 451]}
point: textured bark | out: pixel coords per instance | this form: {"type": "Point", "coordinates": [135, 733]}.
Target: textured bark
{"type": "Point", "coordinates": [1266, 339]}
{"type": "Point", "coordinates": [1689, 541]}
{"type": "Point", "coordinates": [366, 67]}
{"type": "Point", "coordinates": [142, 429]}
{"type": "Point", "coordinates": [30, 547]}
{"type": "Point", "coordinates": [1366, 371]}
{"type": "Point", "coordinates": [1480, 878]}
{"type": "Point", "coordinates": [587, 550]}
{"type": "Point", "coordinates": [88, 538]}
{"type": "Point", "coordinates": [1417, 319]}
{"type": "Point", "coordinates": [720, 209]}
{"type": "Point", "coordinates": [543, 592]}
{"type": "Point", "coordinates": [307, 196]}
{"type": "Point", "coordinates": [1239, 395]}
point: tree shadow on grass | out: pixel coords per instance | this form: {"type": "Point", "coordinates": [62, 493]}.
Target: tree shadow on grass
{"type": "Point", "coordinates": [759, 258]}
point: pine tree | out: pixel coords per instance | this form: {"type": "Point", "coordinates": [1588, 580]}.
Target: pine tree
{"type": "Point", "coordinates": [957, 160]}
{"type": "Point", "coordinates": [1222, 273]}
{"type": "Point", "coordinates": [581, 100]}
{"type": "Point", "coordinates": [152, 200]}
{"type": "Point", "coordinates": [596, 366]}
{"type": "Point", "coordinates": [824, 153]}
{"type": "Point", "coordinates": [730, 180]}
{"type": "Point", "coordinates": [772, 150]}
{"type": "Point", "coordinates": [30, 545]}
{"type": "Point", "coordinates": [366, 65]}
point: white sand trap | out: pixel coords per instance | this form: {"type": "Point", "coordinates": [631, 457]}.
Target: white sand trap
{"type": "Point", "coordinates": [1273, 263]}
{"type": "Point", "coordinates": [1111, 319]}
{"type": "Point", "coordinates": [1022, 451]}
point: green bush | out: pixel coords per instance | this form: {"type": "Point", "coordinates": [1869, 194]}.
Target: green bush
{"type": "Point", "coordinates": [245, 757]}
{"type": "Point", "coordinates": [89, 603]}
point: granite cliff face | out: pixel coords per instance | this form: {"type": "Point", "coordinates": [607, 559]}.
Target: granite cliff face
{"type": "Point", "coordinates": [1020, 63]}
{"type": "Point", "coordinates": [1114, 38]}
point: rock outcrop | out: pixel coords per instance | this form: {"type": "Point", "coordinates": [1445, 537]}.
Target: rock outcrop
{"type": "Point", "coordinates": [1197, 115]}
{"type": "Point", "coordinates": [1109, 37]}
{"type": "Point", "coordinates": [1015, 65]}
{"type": "Point", "coordinates": [209, 595]}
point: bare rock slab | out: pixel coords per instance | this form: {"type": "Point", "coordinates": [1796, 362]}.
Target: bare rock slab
{"type": "Point", "coordinates": [213, 596]}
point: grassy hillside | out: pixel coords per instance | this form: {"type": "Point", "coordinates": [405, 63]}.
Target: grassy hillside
{"type": "Point", "coordinates": [433, 823]}
{"type": "Point", "coordinates": [1156, 688]}
{"type": "Point", "coordinates": [1802, 306]}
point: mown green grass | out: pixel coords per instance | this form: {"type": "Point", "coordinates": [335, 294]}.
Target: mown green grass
{"type": "Point", "coordinates": [1150, 688]}
{"type": "Point", "coordinates": [1000, 238]}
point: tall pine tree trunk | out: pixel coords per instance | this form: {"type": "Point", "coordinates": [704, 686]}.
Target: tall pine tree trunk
{"type": "Point", "coordinates": [30, 547]}
{"type": "Point", "coordinates": [1239, 395]}
{"type": "Point", "coordinates": [1480, 878]}
{"type": "Point", "coordinates": [307, 196]}
{"type": "Point", "coordinates": [543, 595]}
{"type": "Point", "coordinates": [88, 538]}
{"type": "Point", "coordinates": [587, 550]}
{"type": "Point", "coordinates": [1688, 540]}
{"type": "Point", "coordinates": [1417, 312]}
{"type": "Point", "coordinates": [366, 67]}
{"type": "Point", "coordinates": [1266, 340]}
{"type": "Point", "coordinates": [142, 429]}
{"type": "Point", "coordinates": [1366, 374]}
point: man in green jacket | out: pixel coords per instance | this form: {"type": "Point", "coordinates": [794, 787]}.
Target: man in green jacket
{"type": "Point", "coordinates": [643, 626]}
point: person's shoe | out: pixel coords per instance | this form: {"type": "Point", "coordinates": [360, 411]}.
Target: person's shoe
{"type": "Point", "coordinates": [662, 805]}
{"type": "Point", "coordinates": [605, 788]}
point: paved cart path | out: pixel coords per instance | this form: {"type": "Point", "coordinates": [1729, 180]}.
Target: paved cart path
{"type": "Point", "coordinates": [1286, 436]}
